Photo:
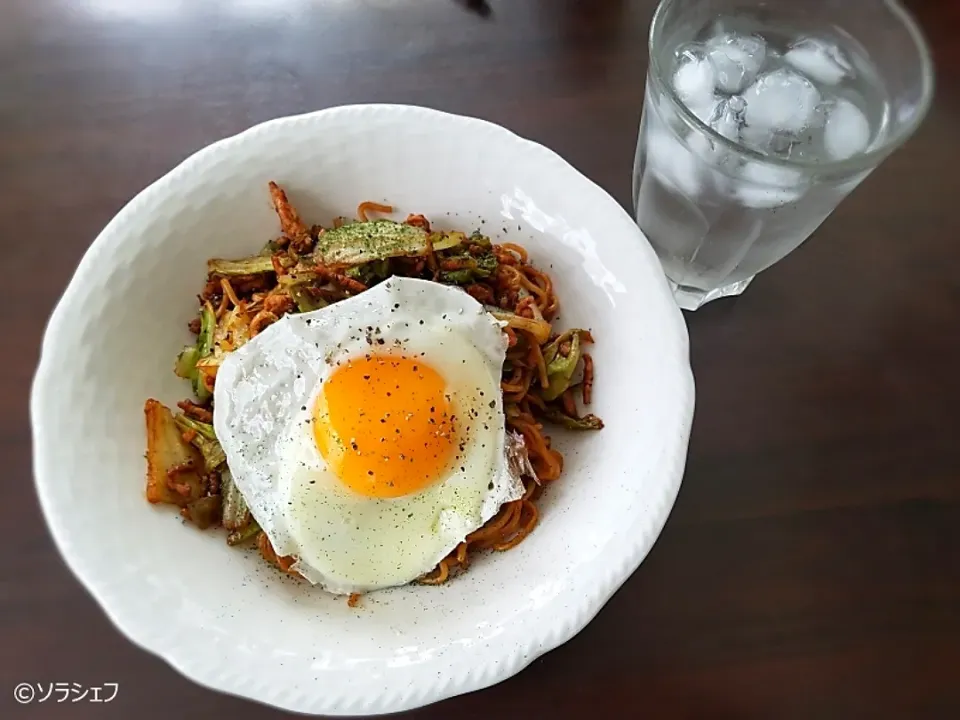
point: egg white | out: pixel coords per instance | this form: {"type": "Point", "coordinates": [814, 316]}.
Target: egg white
{"type": "Point", "coordinates": [264, 395]}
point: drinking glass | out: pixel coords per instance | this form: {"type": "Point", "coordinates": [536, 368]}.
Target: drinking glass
{"type": "Point", "coordinates": [759, 117]}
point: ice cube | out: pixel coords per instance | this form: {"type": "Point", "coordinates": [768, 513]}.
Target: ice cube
{"type": "Point", "coordinates": [694, 78]}
{"type": "Point", "coordinates": [727, 118]}
{"type": "Point", "coordinates": [736, 60]}
{"type": "Point", "coordinates": [781, 106]}
{"type": "Point", "coordinates": [707, 111]}
{"type": "Point", "coordinates": [673, 163]}
{"type": "Point", "coordinates": [723, 115]}
{"type": "Point", "coordinates": [727, 125]}
{"type": "Point", "coordinates": [768, 186]}
{"type": "Point", "coordinates": [847, 131]}
{"type": "Point", "coordinates": [819, 60]}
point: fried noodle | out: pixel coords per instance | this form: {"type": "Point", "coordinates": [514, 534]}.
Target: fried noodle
{"type": "Point", "coordinates": [515, 287]}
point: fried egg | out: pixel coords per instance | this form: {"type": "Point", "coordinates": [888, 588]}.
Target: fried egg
{"type": "Point", "coordinates": [368, 437]}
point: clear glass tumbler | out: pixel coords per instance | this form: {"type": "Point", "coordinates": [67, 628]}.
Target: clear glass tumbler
{"type": "Point", "coordinates": [759, 117]}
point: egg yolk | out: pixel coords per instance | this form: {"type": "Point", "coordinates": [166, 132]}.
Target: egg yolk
{"type": "Point", "coordinates": [384, 425]}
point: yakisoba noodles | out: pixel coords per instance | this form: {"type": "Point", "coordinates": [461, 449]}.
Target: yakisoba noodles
{"type": "Point", "coordinates": [545, 376]}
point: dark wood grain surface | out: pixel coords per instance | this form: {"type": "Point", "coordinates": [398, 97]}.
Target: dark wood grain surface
{"type": "Point", "coordinates": [811, 566]}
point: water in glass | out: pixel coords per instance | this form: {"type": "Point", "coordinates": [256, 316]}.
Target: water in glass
{"type": "Point", "coordinates": [718, 213]}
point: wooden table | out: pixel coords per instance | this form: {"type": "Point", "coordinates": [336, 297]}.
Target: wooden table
{"type": "Point", "coordinates": [811, 566]}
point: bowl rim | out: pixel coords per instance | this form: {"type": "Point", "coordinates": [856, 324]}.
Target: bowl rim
{"type": "Point", "coordinates": [438, 688]}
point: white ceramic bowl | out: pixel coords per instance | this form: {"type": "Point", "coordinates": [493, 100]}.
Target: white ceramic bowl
{"type": "Point", "coordinates": [221, 616]}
